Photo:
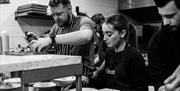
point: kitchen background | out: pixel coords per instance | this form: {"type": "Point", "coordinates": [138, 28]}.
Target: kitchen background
{"type": "Point", "coordinates": [142, 13]}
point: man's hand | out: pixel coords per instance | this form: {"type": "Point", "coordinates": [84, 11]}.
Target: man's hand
{"type": "Point", "coordinates": [174, 85]}
{"type": "Point", "coordinates": [29, 36]}
{"type": "Point", "coordinates": [171, 78]}
{"type": "Point", "coordinates": [37, 45]}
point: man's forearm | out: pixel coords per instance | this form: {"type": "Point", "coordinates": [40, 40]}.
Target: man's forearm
{"type": "Point", "coordinates": [75, 38]}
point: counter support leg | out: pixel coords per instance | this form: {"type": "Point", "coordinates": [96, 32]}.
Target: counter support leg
{"type": "Point", "coordinates": [78, 83]}
{"type": "Point", "coordinates": [24, 87]}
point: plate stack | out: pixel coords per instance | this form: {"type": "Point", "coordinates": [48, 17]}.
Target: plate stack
{"type": "Point", "coordinates": [31, 8]}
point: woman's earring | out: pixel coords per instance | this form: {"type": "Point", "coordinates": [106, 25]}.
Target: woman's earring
{"type": "Point", "coordinates": [122, 36]}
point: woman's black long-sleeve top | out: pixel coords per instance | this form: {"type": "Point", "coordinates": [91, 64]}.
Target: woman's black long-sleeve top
{"type": "Point", "coordinates": [124, 71]}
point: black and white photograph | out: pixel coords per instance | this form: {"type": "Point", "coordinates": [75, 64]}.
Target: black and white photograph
{"type": "Point", "coordinates": [89, 45]}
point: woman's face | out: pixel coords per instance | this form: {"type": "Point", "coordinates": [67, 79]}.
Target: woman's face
{"type": "Point", "coordinates": [112, 37]}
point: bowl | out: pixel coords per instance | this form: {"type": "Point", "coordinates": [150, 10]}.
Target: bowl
{"type": "Point", "coordinates": [10, 87]}
{"type": "Point", "coordinates": [85, 89]}
{"type": "Point", "coordinates": [13, 80]}
{"type": "Point", "coordinates": [108, 89]}
{"type": "Point", "coordinates": [65, 81]}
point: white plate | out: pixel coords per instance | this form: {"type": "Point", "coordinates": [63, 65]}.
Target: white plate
{"type": "Point", "coordinates": [44, 84]}
{"type": "Point", "coordinates": [108, 89]}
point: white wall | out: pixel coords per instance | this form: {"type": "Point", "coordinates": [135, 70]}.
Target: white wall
{"type": "Point", "coordinates": [10, 25]}
{"type": "Point", "coordinates": [128, 4]}
{"type": "Point", "coordinates": [91, 7]}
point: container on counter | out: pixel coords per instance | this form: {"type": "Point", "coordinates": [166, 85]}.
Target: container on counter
{"type": "Point", "coordinates": [5, 41]}
{"type": "Point", "coordinates": [0, 44]}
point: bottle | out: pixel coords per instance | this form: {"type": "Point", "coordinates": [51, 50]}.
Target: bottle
{"type": "Point", "coordinates": [5, 42]}
{"type": "Point", "coordinates": [0, 44]}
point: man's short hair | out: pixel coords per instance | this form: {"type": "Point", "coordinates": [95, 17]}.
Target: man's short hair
{"type": "Point", "coordinates": [54, 3]}
{"type": "Point", "coordinates": [162, 3]}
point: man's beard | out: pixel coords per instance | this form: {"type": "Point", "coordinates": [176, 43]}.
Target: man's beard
{"type": "Point", "coordinates": [171, 29]}
{"type": "Point", "coordinates": [64, 23]}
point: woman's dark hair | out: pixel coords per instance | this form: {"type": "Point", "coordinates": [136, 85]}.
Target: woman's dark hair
{"type": "Point", "coordinates": [119, 22]}
{"type": "Point", "coordinates": [54, 3]}
{"type": "Point", "coordinates": [162, 3]}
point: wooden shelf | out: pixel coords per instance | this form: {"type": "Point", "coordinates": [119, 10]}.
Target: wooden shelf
{"type": "Point", "coordinates": [4, 2]}
{"type": "Point", "coordinates": [32, 15]}
{"type": "Point", "coordinates": [35, 22]}
{"type": "Point", "coordinates": [144, 14]}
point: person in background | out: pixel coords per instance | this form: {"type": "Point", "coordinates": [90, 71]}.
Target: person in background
{"type": "Point", "coordinates": [124, 66]}
{"type": "Point", "coordinates": [132, 35]}
{"type": "Point", "coordinates": [164, 46]}
{"type": "Point", "coordinates": [100, 45]}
